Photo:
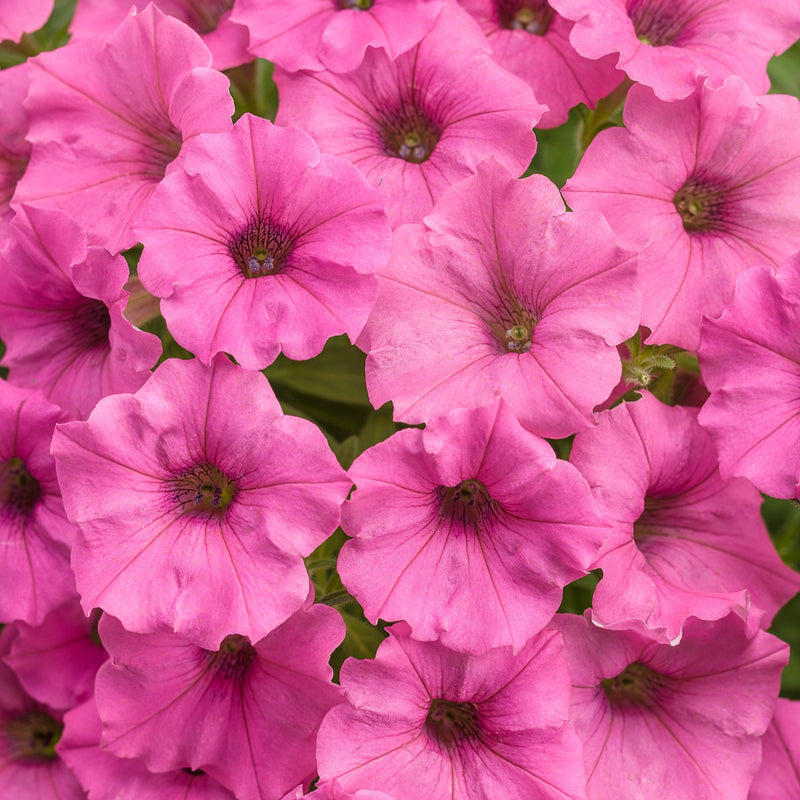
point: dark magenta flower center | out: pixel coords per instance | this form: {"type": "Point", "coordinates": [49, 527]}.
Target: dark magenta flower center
{"type": "Point", "coordinates": [32, 737]}
{"type": "Point", "coordinates": [234, 658]}
{"type": "Point", "coordinates": [700, 205]}
{"type": "Point", "coordinates": [19, 490]}
{"type": "Point", "coordinates": [358, 5]}
{"type": "Point", "coordinates": [532, 16]}
{"type": "Point", "coordinates": [468, 504]}
{"type": "Point", "coordinates": [411, 136]}
{"type": "Point", "coordinates": [91, 323]}
{"type": "Point", "coordinates": [637, 685]}
{"type": "Point", "coordinates": [205, 490]}
{"type": "Point", "coordinates": [450, 723]}
{"type": "Point", "coordinates": [261, 248]}
{"type": "Point", "coordinates": [657, 22]}
{"type": "Point", "coordinates": [204, 15]}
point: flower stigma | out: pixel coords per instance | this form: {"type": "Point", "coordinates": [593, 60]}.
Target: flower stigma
{"type": "Point", "coordinates": [636, 686]}
{"type": "Point", "coordinates": [531, 16]}
{"type": "Point", "coordinates": [699, 206]}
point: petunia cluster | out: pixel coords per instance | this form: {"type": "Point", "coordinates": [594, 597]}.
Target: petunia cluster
{"type": "Point", "coordinates": [345, 454]}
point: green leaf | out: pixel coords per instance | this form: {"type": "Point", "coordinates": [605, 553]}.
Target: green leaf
{"type": "Point", "coordinates": [578, 594]}
{"type": "Point", "coordinates": [786, 626]}
{"type": "Point", "coordinates": [336, 374]}
{"type": "Point", "coordinates": [361, 640]}
{"type": "Point", "coordinates": [784, 72]}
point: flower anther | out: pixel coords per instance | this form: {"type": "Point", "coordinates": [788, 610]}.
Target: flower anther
{"type": "Point", "coordinates": [469, 503]}
{"type": "Point", "coordinates": [358, 5]}
{"type": "Point", "coordinates": [411, 136]}
{"type": "Point", "coordinates": [261, 248]}
{"type": "Point", "coordinates": [699, 204]}
{"type": "Point", "coordinates": [204, 490]}
{"type": "Point", "coordinates": [233, 659]}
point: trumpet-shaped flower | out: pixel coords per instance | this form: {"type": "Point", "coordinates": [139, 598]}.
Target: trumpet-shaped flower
{"type": "Point", "coordinates": [424, 721]}
{"type": "Point", "coordinates": [276, 252]}
{"type": "Point", "coordinates": [197, 499]}
{"type": "Point", "coordinates": [682, 542]}
{"type": "Point", "coordinates": [502, 294]}
{"type": "Point", "coordinates": [422, 122]}
{"type": "Point", "coordinates": [701, 189]}
{"type": "Point", "coordinates": [750, 360]}
{"type": "Point", "coordinates": [531, 40]}
{"type": "Point", "coordinates": [107, 118]}
{"type": "Point", "coordinates": [333, 34]}
{"type": "Point", "coordinates": [467, 530]}
{"type": "Point", "coordinates": [663, 721]}
{"type": "Point", "coordinates": [246, 713]}
{"type": "Point", "coordinates": [669, 44]}
{"type": "Point", "coordinates": [62, 315]}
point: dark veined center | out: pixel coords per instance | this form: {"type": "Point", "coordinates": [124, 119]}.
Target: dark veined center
{"type": "Point", "coordinates": [657, 22]}
{"type": "Point", "coordinates": [358, 5]}
{"type": "Point", "coordinates": [469, 503]}
{"type": "Point", "coordinates": [205, 490]}
{"type": "Point", "coordinates": [532, 16]}
{"type": "Point", "coordinates": [33, 737]}
{"type": "Point", "coordinates": [648, 525]}
{"type": "Point", "coordinates": [262, 248]}
{"type": "Point", "coordinates": [450, 723]}
{"type": "Point", "coordinates": [700, 205]}
{"type": "Point", "coordinates": [411, 136]}
{"type": "Point", "coordinates": [19, 490]}
{"type": "Point", "coordinates": [637, 685]}
{"type": "Point", "coordinates": [193, 771]}
{"type": "Point", "coordinates": [513, 330]}
{"type": "Point", "coordinates": [234, 658]}
{"type": "Point", "coordinates": [204, 15]}
{"type": "Point", "coordinates": [91, 323]}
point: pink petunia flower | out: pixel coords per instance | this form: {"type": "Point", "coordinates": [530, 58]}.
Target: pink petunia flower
{"type": "Point", "coordinates": [30, 768]}
{"type": "Point", "coordinates": [192, 496]}
{"type": "Point", "coordinates": [108, 118]}
{"type": "Point", "coordinates": [278, 251]}
{"type": "Point", "coordinates": [35, 533]}
{"type": "Point", "coordinates": [245, 713]}
{"type": "Point", "coordinates": [779, 776]}
{"type": "Point", "coordinates": [18, 17]}
{"type": "Point", "coordinates": [424, 721]}
{"type": "Point", "coordinates": [701, 189]}
{"type": "Point", "coordinates": [531, 40]}
{"type": "Point", "coordinates": [56, 662]}
{"type": "Point", "coordinates": [467, 530]}
{"type": "Point", "coordinates": [669, 44]}
{"type": "Point", "coordinates": [503, 294]}
{"type": "Point", "coordinates": [682, 542]}
{"type": "Point", "coordinates": [109, 777]}
{"type": "Point", "coordinates": [422, 122]}
{"type": "Point", "coordinates": [750, 360]}
{"type": "Point", "coordinates": [333, 34]}
{"type": "Point", "coordinates": [14, 149]}
{"type": "Point", "coordinates": [226, 40]}
{"type": "Point", "coordinates": [658, 721]}
{"type": "Point", "coordinates": [62, 315]}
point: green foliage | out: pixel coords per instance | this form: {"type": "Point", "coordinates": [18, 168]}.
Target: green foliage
{"type": "Point", "coordinates": [253, 90]}
{"type": "Point", "coordinates": [784, 72]}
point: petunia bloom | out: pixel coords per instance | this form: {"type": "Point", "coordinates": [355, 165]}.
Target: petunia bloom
{"type": "Point", "coordinates": [34, 531]}
{"type": "Point", "coordinates": [424, 721]}
{"type": "Point", "coordinates": [669, 44]}
{"type": "Point", "coordinates": [226, 40]}
{"type": "Point", "coordinates": [531, 40]}
{"type": "Point", "coordinates": [276, 252]}
{"type": "Point", "coordinates": [62, 315]}
{"type": "Point", "coordinates": [682, 541]}
{"type": "Point", "coordinates": [17, 18]}
{"type": "Point", "coordinates": [502, 294]}
{"type": "Point", "coordinates": [779, 775]}
{"type": "Point", "coordinates": [468, 530]}
{"type": "Point", "coordinates": [333, 34]}
{"type": "Point", "coordinates": [701, 188]}
{"type": "Point", "coordinates": [247, 713]}
{"type": "Point", "coordinates": [663, 721]}
{"type": "Point", "coordinates": [422, 122]}
{"type": "Point", "coordinates": [750, 359]}
{"type": "Point", "coordinates": [108, 118]}
{"type": "Point", "coordinates": [192, 496]}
